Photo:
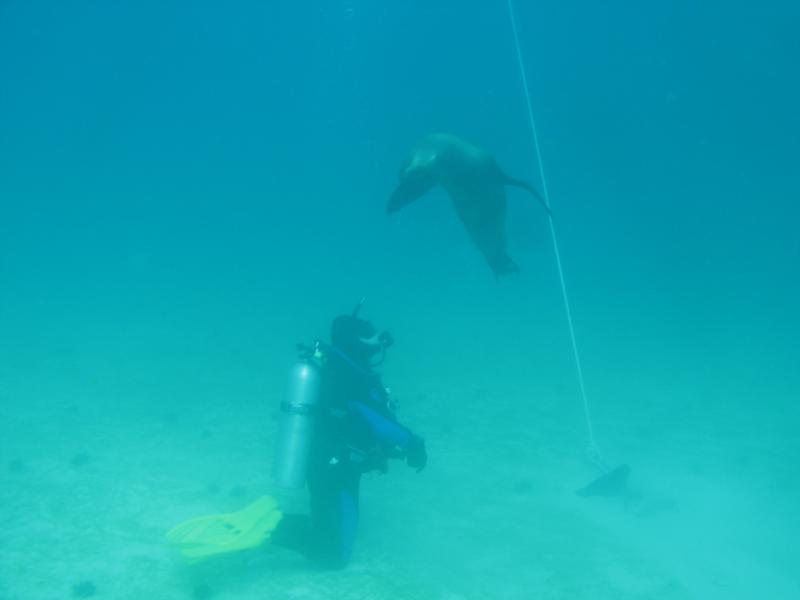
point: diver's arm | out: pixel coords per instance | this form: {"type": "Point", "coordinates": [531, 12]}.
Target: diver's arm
{"type": "Point", "coordinates": [385, 431]}
{"type": "Point", "coordinates": [391, 434]}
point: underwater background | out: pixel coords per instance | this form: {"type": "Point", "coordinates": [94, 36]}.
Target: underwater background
{"type": "Point", "coordinates": [188, 189]}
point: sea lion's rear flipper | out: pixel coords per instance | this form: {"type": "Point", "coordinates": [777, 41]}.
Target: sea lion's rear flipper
{"type": "Point", "coordinates": [526, 186]}
{"type": "Point", "coordinates": [409, 189]}
{"type": "Point", "coordinates": [502, 264]}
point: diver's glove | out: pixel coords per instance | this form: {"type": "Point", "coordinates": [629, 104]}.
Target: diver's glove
{"type": "Point", "coordinates": [416, 456]}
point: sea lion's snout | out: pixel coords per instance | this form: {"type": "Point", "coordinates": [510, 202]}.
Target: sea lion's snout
{"type": "Point", "coordinates": [412, 184]}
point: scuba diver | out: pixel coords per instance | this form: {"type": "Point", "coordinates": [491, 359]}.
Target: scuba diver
{"type": "Point", "coordinates": [338, 422]}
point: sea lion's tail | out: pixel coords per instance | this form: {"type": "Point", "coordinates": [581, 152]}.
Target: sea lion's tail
{"type": "Point", "coordinates": [527, 186]}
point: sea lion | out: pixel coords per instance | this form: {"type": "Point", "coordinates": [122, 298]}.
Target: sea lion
{"type": "Point", "coordinates": [476, 185]}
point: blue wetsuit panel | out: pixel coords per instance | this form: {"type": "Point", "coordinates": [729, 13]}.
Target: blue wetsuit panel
{"type": "Point", "coordinates": [348, 523]}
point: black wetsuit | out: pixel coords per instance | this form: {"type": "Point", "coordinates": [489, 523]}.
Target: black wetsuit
{"type": "Point", "coordinates": [356, 432]}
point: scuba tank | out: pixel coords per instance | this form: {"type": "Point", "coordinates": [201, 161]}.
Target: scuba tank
{"type": "Point", "coordinates": [297, 420]}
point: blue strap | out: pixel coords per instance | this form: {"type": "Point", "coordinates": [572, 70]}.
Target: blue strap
{"type": "Point", "coordinates": [347, 360]}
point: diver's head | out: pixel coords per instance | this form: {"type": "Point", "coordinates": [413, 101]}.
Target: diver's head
{"type": "Point", "coordinates": [359, 339]}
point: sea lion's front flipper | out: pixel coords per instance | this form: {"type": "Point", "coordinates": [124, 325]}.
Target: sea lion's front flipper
{"type": "Point", "coordinates": [526, 186]}
{"type": "Point", "coordinates": [409, 189]}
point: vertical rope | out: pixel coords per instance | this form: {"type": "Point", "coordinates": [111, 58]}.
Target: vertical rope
{"type": "Point", "coordinates": [593, 452]}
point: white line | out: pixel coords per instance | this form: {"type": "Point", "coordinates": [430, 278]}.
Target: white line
{"type": "Point", "coordinates": [593, 451]}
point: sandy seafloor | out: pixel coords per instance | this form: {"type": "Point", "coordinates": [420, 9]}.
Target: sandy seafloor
{"type": "Point", "coordinates": [113, 430]}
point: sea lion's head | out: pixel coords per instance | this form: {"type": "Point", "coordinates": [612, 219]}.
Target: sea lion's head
{"type": "Point", "coordinates": [416, 177]}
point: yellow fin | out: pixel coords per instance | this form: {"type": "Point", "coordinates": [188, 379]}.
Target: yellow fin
{"type": "Point", "coordinates": [202, 537]}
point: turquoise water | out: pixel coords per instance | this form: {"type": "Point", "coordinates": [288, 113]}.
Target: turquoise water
{"type": "Point", "coordinates": [189, 189]}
